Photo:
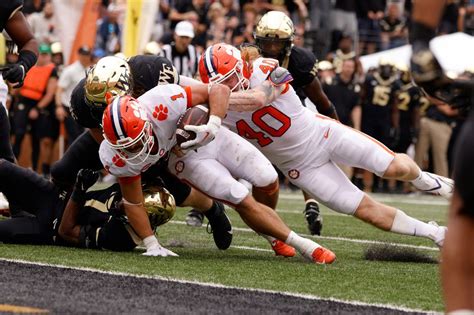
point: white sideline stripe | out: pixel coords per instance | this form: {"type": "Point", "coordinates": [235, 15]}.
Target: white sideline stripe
{"type": "Point", "coordinates": [217, 285]}
{"type": "Point", "coordinates": [406, 200]}
{"type": "Point", "coordinates": [336, 238]}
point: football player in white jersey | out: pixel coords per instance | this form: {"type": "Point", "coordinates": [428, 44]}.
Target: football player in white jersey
{"type": "Point", "coordinates": [307, 147]}
{"type": "Point", "coordinates": [138, 134]}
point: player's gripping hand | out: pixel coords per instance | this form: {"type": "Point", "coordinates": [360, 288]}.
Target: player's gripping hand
{"type": "Point", "coordinates": [159, 251]}
{"type": "Point", "coordinates": [153, 248]}
{"type": "Point", "coordinates": [204, 133]}
{"type": "Point", "coordinates": [84, 180]}
{"type": "Point", "coordinates": [14, 73]}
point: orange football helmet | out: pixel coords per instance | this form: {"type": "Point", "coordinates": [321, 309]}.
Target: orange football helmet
{"type": "Point", "coordinates": [127, 129]}
{"type": "Point", "coordinates": [220, 62]}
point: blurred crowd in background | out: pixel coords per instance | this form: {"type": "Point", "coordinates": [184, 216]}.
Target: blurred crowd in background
{"type": "Point", "coordinates": [381, 101]}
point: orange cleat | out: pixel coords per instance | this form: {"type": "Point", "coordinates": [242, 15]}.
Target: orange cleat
{"type": "Point", "coordinates": [323, 255]}
{"type": "Point", "coordinates": [282, 249]}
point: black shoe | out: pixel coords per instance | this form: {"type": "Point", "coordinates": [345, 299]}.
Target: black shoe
{"type": "Point", "coordinates": [314, 218]}
{"type": "Point", "coordinates": [194, 218]}
{"type": "Point", "coordinates": [220, 226]}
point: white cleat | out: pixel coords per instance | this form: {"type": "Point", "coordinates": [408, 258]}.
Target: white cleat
{"type": "Point", "coordinates": [444, 188]}
{"type": "Point", "coordinates": [438, 237]}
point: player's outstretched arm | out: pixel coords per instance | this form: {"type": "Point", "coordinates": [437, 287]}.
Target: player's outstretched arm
{"type": "Point", "coordinates": [315, 93]}
{"type": "Point", "coordinates": [131, 188]}
{"type": "Point", "coordinates": [262, 95]}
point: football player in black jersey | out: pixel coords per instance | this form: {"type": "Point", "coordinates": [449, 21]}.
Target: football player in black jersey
{"type": "Point", "coordinates": [410, 102]}
{"type": "Point", "coordinates": [110, 77]}
{"type": "Point", "coordinates": [14, 23]}
{"type": "Point", "coordinates": [457, 267]}
{"type": "Point", "coordinates": [274, 35]}
{"type": "Point", "coordinates": [379, 109]}
{"type": "Point", "coordinates": [91, 219]}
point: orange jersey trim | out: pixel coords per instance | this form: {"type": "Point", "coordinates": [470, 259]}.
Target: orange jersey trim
{"type": "Point", "coordinates": [189, 96]}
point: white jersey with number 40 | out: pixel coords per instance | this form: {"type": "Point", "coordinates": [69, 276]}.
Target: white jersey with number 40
{"type": "Point", "coordinates": [280, 129]}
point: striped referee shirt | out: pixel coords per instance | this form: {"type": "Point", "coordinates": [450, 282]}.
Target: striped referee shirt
{"type": "Point", "coordinates": [186, 63]}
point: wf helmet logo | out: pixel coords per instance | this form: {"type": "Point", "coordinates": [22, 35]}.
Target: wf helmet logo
{"type": "Point", "coordinates": [160, 112]}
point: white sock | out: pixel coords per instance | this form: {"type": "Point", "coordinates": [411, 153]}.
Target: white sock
{"type": "Point", "coordinates": [303, 245]}
{"type": "Point", "coordinates": [424, 181]}
{"type": "Point", "coordinates": [310, 200]}
{"type": "Point", "coordinates": [404, 224]}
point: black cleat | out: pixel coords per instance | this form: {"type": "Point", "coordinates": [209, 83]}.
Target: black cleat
{"type": "Point", "coordinates": [220, 226]}
{"type": "Point", "coordinates": [194, 218]}
{"type": "Point", "coordinates": [314, 218]}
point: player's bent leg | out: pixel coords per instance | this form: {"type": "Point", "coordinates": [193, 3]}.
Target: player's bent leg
{"type": "Point", "coordinates": [394, 220]}
{"type": "Point", "coordinates": [405, 169]}
{"type": "Point", "coordinates": [264, 220]}
{"type": "Point", "coordinates": [268, 195]}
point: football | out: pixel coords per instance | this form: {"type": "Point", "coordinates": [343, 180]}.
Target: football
{"type": "Point", "coordinates": [196, 115]}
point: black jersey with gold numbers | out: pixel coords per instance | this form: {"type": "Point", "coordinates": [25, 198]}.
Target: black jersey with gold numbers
{"type": "Point", "coordinates": [379, 97]}
{"type": "Point", "coordinates": [7, 9]}
{"type": "Point", "coordinates": [409, 98]}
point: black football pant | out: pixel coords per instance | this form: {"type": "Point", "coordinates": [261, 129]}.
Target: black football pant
{"type": "Point", "coordinates": [6, 151]}
{"type": "Point", "coordinates": [27, 191]}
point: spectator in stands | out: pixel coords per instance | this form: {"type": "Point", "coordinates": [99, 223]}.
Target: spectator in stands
{"type": "Point", "coordinates": [244, 31]}
{"type": "Point", "coordinates": [218, 31]}
{"type": "Point", "coordinates": [320, 26]}
{"type": "Point", "coordinates": [344, 93]}
{"type": "Point", "coordinates": [194, 11]}
{"type": "Point", "coordinates": [43, 24]}
{"type": "Point", "coordinates": [35, 110]}
{"type": "Point", "coordinates": [326, 72]}
{"type": "Point", "coordinates": [181, 52]}
{"type": "Point", "coordinates": [369, 14]}
{"type": "Point", "coordinates": [33, 6]}
{"type": "Point", "coordinates": [70, 77]}
{"type": "Point", "coordinates": [344, 19]}
{"type": "Point", "coordinates": [435, 132]}
{"type": "Point", "coordinates": [394, 29]}
{"type": "Point", "coordinates": [466, 17]}
{"type": "Point", "coordinates": [57, 56]}
{"type": "Point", "coordinates": [109, 31]}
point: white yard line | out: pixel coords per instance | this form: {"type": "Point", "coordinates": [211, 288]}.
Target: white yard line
{"type": "Point", "coordinates": [336, 238]}
{"type": "Point", "coordinates": [413, 200]}
{"type": "Point", "coordinates": [216, 285]}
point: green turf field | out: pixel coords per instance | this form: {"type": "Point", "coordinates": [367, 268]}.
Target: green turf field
{"type": "Point", "coordinates": [250, 262]}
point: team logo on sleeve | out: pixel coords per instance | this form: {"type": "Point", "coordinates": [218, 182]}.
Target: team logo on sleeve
{"type": "Point", "coordinates": [118, 161]}
{"type": "Point", "coordinates": [160, 112]}
{"type": "Point", "coordinates": [294, 174]}
{"type": "Point", "coordinates": [179, 167]}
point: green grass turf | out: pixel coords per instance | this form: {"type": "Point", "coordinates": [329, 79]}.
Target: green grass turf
{"type": "Point", "coordinates": [351, 277]}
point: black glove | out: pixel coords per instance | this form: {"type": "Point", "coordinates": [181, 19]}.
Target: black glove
{"type": "Point", "coordinates": [14, 73]}
{"type": "Point", "coordinates": [84, 180]}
